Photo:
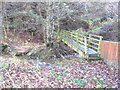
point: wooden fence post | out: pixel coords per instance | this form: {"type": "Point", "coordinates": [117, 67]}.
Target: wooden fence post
{"type": "Point", "coordinates": [99, 45]}
{"type": "Point", "coordinates": [85, 42]}
{"type": "Point", "coordinates": [89, 39]}
{"type": "Point", "coordinates": [64, 33]}
{"type": "Point", "coordinates": [61, 34]}
{"type": "Point", "coordinates": [77, 38]}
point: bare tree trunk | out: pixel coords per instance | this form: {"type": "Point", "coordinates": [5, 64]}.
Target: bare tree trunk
{"type": "Point", "coordinates": [58, 32]}
{"type": "Point", "coordinates": [1, 26]}
{"type": "Point", "coordinates": [48, 24]}
{"type": "Point", "coordinates": [44, 27]}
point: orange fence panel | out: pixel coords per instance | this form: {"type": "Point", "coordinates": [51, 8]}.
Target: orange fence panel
{"type": "Point", "coordinates": [110, 53]}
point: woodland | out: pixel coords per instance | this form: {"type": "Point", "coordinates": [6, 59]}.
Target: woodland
{"type": "Point", "coordinates": [33, 54]}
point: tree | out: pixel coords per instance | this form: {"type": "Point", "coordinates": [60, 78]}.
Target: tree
{"type": "Point", "coordinates": [1, 26]}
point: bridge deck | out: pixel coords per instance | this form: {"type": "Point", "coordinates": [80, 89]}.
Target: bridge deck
{"type": "Point", "coordinates": [74, 44]}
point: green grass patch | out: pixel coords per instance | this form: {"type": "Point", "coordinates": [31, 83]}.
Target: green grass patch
{"type": "Point", "coordinates": [1, 77]}
{"type": "Point", "coordinates": [3, 65]}
{"type": "Point", "coordinates": [70, 80]}
{"type": "Point", "coordinates": [101, 81]}
{"type": "Point", "coordinates": [87, 69]}
{"type": "Point", "coordinates": [80, 82]}
{"type": "Point", "coordinates": [81, 60]}
{"type": "Point", "coordinates": [58, 63]}
{"type": "Point", "coordinates": [95, 59]}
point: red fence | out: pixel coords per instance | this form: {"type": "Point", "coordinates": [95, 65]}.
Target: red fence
{"type": "Point", "coordinates": [110, 53]}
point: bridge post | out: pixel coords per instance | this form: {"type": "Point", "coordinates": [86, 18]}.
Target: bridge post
{"type": "Point", "coordinates": [77, 35]}
{"type": "Point", "coordinates": [89, 39]}
{"type": "Point", "coordinates": [70, 34]}
{"type": "Point", "coordinates": [99, 45]}
{"type": "Point", "coordinates": [61, 34]}
{"type": "Point", "coordinates": [85, 42]}
{"type": "Point", "coordinates": [65, 33]}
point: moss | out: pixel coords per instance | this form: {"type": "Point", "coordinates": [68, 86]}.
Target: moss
{"type": "Point", "coordinates": [94, 59]}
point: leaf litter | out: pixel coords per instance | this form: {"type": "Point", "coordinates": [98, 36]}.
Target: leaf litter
{"type": "Point", "coordinates": [70, 73]}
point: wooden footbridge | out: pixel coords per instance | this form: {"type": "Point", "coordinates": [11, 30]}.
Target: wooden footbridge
{"type": "Point", "coordinates": [87, 45]}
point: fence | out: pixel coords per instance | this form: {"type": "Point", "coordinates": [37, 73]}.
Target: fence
{"type": "Point", "coordinates": [110, 52]}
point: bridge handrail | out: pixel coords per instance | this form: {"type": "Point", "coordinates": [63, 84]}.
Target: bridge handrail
{"type": "Point", "coordinates": [87, 40]}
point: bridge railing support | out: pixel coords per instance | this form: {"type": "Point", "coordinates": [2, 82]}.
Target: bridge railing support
{"type": "Point", "coordinates": [85, 45]}
{"type": "Point", "coordinates": [61, 35]}
{"type": "Point", "coordinates": [65, 34]}
{"type": "Point", "coordinates": [99, 45]}
{"type": "Point", "coordinates": [77, 35]}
